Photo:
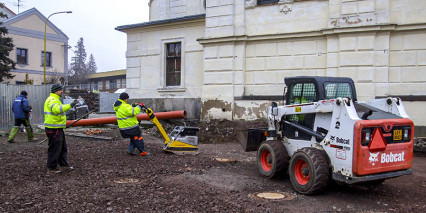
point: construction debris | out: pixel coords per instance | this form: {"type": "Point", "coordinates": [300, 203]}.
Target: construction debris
{"type": "Point", "coordinates": [93, 131]}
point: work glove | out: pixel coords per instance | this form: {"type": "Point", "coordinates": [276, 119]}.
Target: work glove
{"type": "Point", "coordinates": [74, 103]}
{"type": "Point", "coordinates": [135, 104]}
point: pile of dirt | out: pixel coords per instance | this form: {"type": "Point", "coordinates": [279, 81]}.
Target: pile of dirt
{"type": "Point", "coordinates": [211, 132]}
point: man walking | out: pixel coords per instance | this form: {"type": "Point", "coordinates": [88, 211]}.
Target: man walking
{"type": "Point", "coordinates": [55, 123]}
{"type": "Point", "coordinates": [129, 124]}
{"type": "Point", "coordinates": [21, 111]}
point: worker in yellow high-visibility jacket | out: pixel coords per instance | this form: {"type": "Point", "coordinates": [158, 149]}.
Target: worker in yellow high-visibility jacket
{"type": "Point", "coordinates": [129, 124]}
{"type": "Point", "coordinates": [55, 123]}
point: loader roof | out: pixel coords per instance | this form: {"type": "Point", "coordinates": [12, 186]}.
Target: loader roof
{"type": "Point", "coordinates": [320, 83]}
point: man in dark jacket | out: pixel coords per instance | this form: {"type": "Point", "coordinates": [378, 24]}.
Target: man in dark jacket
{"type": "Point", "coordinates": [21, 111]}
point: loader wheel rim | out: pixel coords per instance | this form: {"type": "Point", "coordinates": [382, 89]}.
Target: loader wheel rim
{"type": "Point", "coordinates": [301, 171]}
{"type": "Point", "coordinates": [266, 160]}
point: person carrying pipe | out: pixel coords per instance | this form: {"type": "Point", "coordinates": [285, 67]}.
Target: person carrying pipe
{"type": "Point", "coordinates": [21, 111]}
{"type": "Point", "coordinates": [129, 124]}
{"type": "Point", "coordinates": [55, 123]}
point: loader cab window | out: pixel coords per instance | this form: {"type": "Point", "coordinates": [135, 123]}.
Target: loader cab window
{"type": "Point", "coordinates": [337, 90]}
{"type": "Point", "coordinates": [302, 93]}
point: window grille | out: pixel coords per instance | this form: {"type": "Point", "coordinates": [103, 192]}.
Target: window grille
{"type": "Point", "coordinates": [337, 90]}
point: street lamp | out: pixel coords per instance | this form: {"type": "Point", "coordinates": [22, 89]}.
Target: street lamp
{"type": "Point", "coordinates": [45, 26]}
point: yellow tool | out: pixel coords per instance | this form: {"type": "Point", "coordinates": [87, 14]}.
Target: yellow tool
{"type": "Point", "coordinates": [182, 140]}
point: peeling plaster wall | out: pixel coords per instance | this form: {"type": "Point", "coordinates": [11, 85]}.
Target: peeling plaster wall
{"type": "Point", "coordinates": [237, 59]}
{"type": "Point", "coordinates": [249, 49]}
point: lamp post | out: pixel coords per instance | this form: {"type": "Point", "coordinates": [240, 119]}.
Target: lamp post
{"type": "Point", "coordinates": [44, 58]}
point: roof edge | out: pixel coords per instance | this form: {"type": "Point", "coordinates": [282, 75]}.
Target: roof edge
{"type": "Point", "coordinates": [164, 21]}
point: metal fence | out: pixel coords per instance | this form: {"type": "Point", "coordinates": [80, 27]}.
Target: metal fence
{"type": "Point", "coordinates": [37, 94]}
{"type": "Point", "coordinates": [106, 100]}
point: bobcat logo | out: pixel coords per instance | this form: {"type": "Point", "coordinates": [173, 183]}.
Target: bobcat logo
{"type": "Point", "coordinates": [373, 158]}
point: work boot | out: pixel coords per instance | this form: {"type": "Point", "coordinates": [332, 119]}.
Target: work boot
{"type": "Point", "coordinates": [144, 153]}
{"type": "Point", "coordinates": [67, 168]}
{"type": "Point", "coordinates": [53, 171]}
{"type": "Point", "coordinates": [32, 140]}
{"type": "Point", "coordinates": [13, 134]}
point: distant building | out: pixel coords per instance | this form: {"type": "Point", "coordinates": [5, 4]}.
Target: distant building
{"type": "Point", "coordinates": [108, 81]}
{"type": "Point", "coordinates": [27, 31]}
{"type": "Point", "coordinates": [230, 57]}
{"type": "Point", "coordinates": [5, 10]}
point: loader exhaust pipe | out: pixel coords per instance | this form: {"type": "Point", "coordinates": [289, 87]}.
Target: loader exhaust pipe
{"type": "Point", "coordinates": [113, 119]}
{"type": "Point", "coordinates": [305, 130]}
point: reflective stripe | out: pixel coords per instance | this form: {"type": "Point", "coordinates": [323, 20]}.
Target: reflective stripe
{"type": "Point", "coordinates": [129, 127]}
{"type": "Point", "coordinates": [124, 118]}
{"type": "Point", "coordinates": [51, 107]}
{"type": "Point", "coordinates": [51, 113]}
{"type": "Point", "coordinates": [60, 107]}
{"type": "Point", "coordinates": [55, 125]}
{"type": "Point", "coordinates": [133, 111]}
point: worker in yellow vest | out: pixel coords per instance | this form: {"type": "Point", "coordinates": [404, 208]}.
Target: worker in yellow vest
{"type": "Point", "coordinates": [129, 124]}
{"type": "Point", "coordinates": [55, 123]}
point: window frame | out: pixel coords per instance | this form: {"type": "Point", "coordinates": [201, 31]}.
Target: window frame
{"type": "Point", "coordinates": [18, 50]}
{"type": "Point", "coordinates": [163, 70]}
{"type": "Point", "coordinates": [176, 58]}
{"type": "Point", "coordinates": [48, 58]}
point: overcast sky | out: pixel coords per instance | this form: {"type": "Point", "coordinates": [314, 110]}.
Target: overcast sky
{"type": "Point", "coordinates": [95, 21]}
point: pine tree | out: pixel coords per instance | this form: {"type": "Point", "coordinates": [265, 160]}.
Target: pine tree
{"type": "Point", "coordinates": [6, 45]}
{"type": "Point", "coordinates": [91, 65]}
{"type": "Point", "coordinates": [78, 64]}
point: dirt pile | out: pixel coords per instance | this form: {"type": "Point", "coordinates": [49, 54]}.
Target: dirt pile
{"type": "Point", "coordinates": [211, 132]}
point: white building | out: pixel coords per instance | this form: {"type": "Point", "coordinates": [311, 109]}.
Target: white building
{"type": "Point", "coordinates": [227, 59]}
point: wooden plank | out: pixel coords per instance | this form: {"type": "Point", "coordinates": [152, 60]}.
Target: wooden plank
{"type": "Point", "coordinates": [89, 136]}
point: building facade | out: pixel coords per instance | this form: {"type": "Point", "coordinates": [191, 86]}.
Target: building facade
{"type": "Point", "coordinates": [235, 59]}
{"type": "Point", "coordinates": [27, 31]}
{"type": "Point", "coordinates": [108, 81]}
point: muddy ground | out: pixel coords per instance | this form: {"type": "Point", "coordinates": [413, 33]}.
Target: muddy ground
{"type": "Point", "coordinates": [106, 179]}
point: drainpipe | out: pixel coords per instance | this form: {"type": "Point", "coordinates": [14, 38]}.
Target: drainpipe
{"type": "Point", "coordinates": [113, 119]}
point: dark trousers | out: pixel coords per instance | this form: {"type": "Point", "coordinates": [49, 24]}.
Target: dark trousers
{"type": "Point", "coordinates": [136, 141]}
{"type": "Point", "coordinates": [57, 151]}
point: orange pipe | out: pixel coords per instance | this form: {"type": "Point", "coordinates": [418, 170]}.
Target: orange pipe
{"type": "Point", "coordinates": [113, 119]}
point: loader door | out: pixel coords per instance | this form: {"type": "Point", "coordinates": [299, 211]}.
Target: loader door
{"type": "Point", "coordinates": [300, 93]}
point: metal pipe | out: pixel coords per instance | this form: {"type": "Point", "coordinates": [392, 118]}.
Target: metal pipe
{"type": "Point", "coordinates": [113, 119]}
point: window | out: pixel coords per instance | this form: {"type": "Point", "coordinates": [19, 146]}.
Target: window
{"type": "Point", "coordinates": [337, 90]}
{"type": "Point", "coordinates": [123, 83]}
{"type": "Point", "coordinates": [262, 2]}
{"type": "Point", "coordinates": [302, 93]}
{"type": "Point", "coordinates": [21, 56]}
{"type": "Point", "coordinates": [173, 64]}
{"type": "Point", "coordinates": [48, 59]}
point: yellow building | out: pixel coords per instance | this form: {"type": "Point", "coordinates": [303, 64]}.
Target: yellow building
{"type": "Point", "coordinates": [27, 31]}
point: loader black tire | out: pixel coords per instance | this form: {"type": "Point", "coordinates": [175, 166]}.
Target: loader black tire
{"type": "Point", "coordinates": [272, 159]}
{"type": "Point", "coordinates": [309, 171]}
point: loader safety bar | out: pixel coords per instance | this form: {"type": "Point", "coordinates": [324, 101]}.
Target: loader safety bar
{"type": "Point", "coordinates": [305, 130]}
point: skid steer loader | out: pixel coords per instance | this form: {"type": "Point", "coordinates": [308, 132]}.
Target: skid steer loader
{"type": "Point", "coordinates": [323, 133]}
{"type": "Point", "coordinates": [182, 139]}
